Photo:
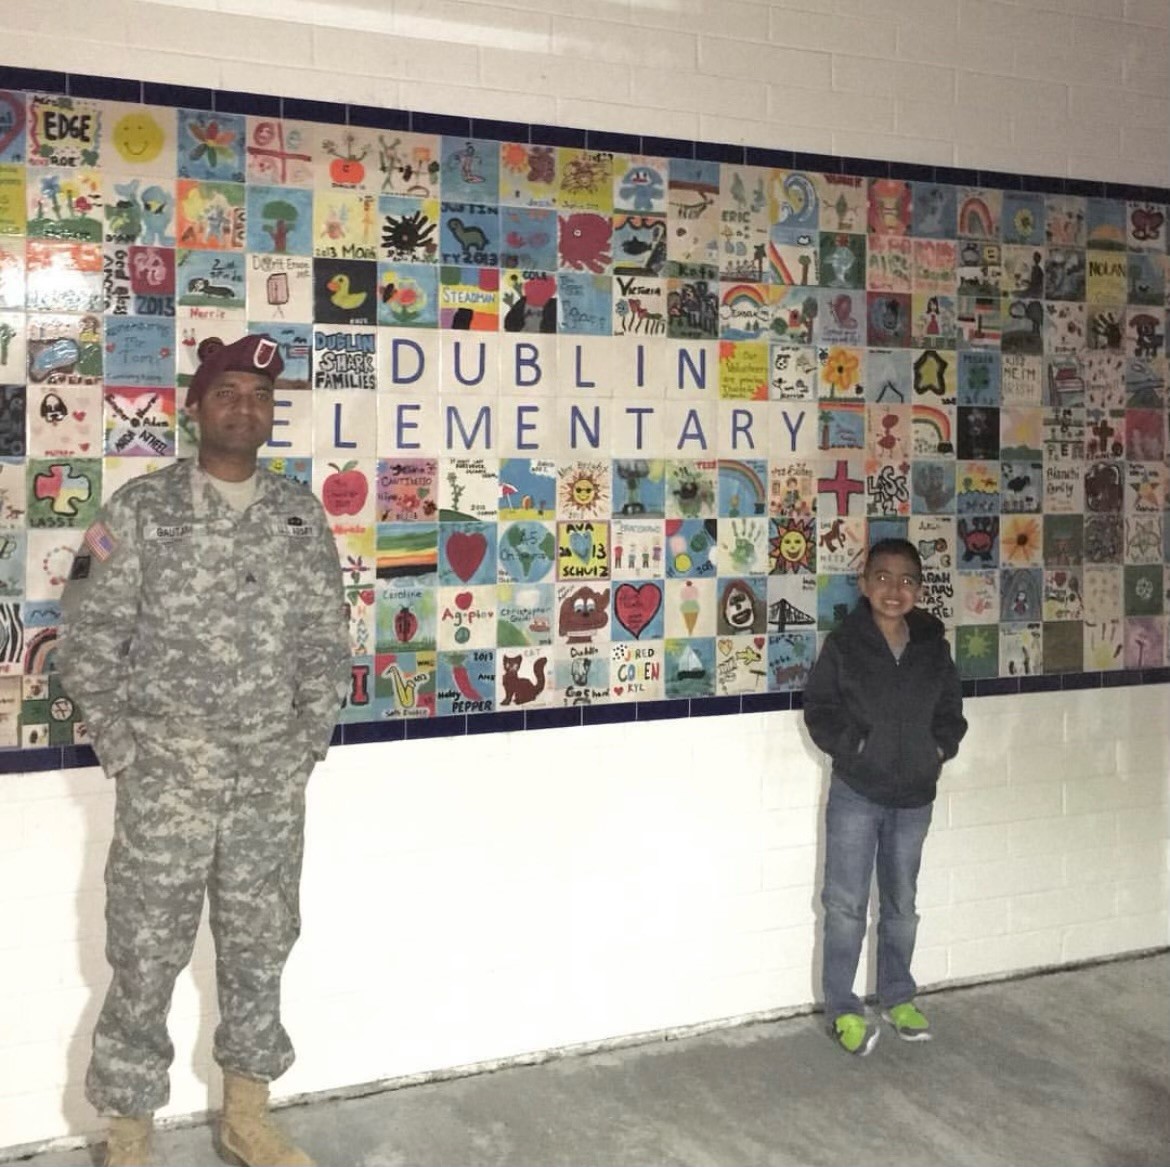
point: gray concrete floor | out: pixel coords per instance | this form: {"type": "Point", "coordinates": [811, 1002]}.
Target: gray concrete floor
{"type": "Point", "coordinates": [1062, 1069]}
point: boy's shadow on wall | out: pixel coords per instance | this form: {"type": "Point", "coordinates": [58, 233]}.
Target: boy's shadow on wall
{"type": "Point", "coordinates": [78, 1115]}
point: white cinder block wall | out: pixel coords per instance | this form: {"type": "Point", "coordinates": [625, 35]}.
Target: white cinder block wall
{"type": "Point", "coordinates": [476, 899]}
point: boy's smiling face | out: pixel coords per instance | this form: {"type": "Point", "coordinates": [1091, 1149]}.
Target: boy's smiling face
{"type": "Point", "coordinates": [892, 585]}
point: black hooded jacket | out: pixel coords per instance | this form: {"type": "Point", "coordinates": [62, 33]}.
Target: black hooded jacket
{"type": "Point", "coordinates": [887, 724]}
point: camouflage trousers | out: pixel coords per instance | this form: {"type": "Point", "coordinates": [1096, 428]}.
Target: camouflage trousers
{"type": "Point", "coordinates": [196, 817]}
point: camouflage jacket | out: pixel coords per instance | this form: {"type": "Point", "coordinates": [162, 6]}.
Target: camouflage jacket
{"type": "Point", "coordinates": [181, 611]}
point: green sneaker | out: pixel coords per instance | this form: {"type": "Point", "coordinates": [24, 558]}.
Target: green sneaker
{"type": "Point", "coordinates": [908, 1022]}
{"type": "Point", "coordinates": [854, 1034]}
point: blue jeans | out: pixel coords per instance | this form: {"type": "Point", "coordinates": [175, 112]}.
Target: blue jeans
{"type": "Point", "coordinates": [855, 830]}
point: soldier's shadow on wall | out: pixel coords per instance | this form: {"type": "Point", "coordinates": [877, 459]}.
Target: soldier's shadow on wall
{"type": "Point", "coordinates": [194, 1010]}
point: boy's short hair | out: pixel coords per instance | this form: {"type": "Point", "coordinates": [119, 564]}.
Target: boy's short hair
{"type": "Point", "coordinates": [901, 547]}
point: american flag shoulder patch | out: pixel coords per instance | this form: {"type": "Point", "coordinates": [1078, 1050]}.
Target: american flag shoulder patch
{"type": "Point", "coordinates": [99, 540]}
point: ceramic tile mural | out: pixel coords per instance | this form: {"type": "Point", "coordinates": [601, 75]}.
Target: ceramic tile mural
{"type": "Point", "coordinates": [590, 426]}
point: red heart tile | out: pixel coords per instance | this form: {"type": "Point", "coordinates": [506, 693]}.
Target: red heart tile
{"type": "Point", "coordinates": [635, 606]}
{"type": "Point", "coordinates": [465, 553]}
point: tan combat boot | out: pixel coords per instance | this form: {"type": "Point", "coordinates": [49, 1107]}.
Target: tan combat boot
{"type": "Point", "coordinates": [247, 1134]}
{"type": "Point", "coordinates": [128, 1144]}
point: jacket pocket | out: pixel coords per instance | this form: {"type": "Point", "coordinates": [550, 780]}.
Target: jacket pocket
{"type": "Point", "coordinates": [877, 756]}
{"type": "Point", "coordinates": [851, 743]}
{"type": "Point", "coordinates": [923, 764]}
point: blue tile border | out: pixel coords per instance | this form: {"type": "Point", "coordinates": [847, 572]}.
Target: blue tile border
{"type": "Point", "coordinates": [36, 80]}
{"type": "Point", "coordinates": [1070, 681]}
{"type": "Point", "coordinates": [360, 732]}
{"type": "Point", "coordinates": [1042, 184]}
{"type": "Point", "coordinates": [542, 135]}
{"type": "Point", "coordinates": [508, 721]}
{"type": "Point", "coordinates": [956, 176]}
{"type": "Point", "coordinates": [105, 88]}
{"type": "Point", "coordinates": [1120, 190]}
{"type": "Point", "coordinates": [660, 710]}
{"type": "Point", "coordinates": [183, 96]}
{"type": "Point", "coordinates": [78, 757]}
{"type": "Point", "coordinates": [440, 123]}
{"type": "Point", "coordinates": [560, 717]}
{"type": "Point", "coordinates": [997, 686]}
{"type": "Point", "coordinates": [305, 110]}
{"type": "Point", "coordinates": [32, 761]}
{"type": "Point", "coordinates": [1000, 179]}
{"type": "Point", "coordinates": [1086, 187]}
{"type": "Point", "coordinates": [610, 142]}
{"type": "Point", "coordinates": [715, 706]}
{"type": "Point", "coordinates": [500, 131]}
{"type": "Point", "coordinates": [1121, 677]}
{"type": "Point", "coordinates": [720, 152]}
{"type": "Point", "coordinates": [375, 117]}
{"type": "Point", "coordinates": [912, 172]}
{"type": "Point", "coordinates": [423, 727]}
{"type": "Point", "coordinates": [511, 721]}
{"type": "Point", "coordinates": [826, 163]}
{"type": "Point", "coordinates": [667, 147]}
{"type": "Point", "coordinates": [766, 702]}
{"type": "Point", "coordinates": [781, 159]}
{"type": "Point", "coordinates": [1041, 683]}
{"type": "Point", "coordinates": [256, 104]}
{"type": "Point", "coordinates": [615, 713]}
{"type": "Point", "coordinates": [866, 167]}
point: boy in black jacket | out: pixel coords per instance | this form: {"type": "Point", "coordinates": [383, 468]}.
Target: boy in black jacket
{"type": "Point", "coordinates": [885, 703]}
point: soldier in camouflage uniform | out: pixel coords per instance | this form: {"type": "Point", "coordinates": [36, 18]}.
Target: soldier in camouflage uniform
{"type": "Point", "coordinates": [205, 637]}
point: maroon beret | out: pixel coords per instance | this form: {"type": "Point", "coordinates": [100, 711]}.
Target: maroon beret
{"type": "Point", "coordinates": [251, 354]}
